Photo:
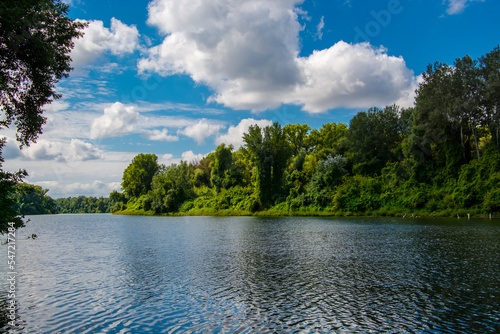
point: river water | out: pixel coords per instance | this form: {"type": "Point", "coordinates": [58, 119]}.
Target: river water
{"type": "Point", "coordinates": [123, 274]}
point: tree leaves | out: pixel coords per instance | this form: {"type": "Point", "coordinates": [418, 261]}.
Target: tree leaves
{"type": "Point", "coordinates": [139, 174]}
{"type": "Point", "coordinates": [36, 38]}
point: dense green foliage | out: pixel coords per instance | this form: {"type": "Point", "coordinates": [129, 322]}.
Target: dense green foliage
{"type": "Point", "coordinates": [171, 187]}
{"type": "Point", "coordinates": [269, 151]}
{"type": "Point", "coordinates": [372, 139]}
{"type": "Point", "coordinates": [138, 176]}
{"type": "Point", "coordinates": [441, 157]}
{"type": "Point", "coordinates": [82, 204]}
{"type": "Point", "coordinates": [33, 200]}
{"type": "Point", "coordinates": [36, 38]}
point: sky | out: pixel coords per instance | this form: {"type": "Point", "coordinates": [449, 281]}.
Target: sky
{"type": "Point", "coordinates": [176, 78]}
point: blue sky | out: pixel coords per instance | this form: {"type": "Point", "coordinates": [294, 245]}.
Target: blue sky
{"type": "Point", "coordinates": [178, 77]}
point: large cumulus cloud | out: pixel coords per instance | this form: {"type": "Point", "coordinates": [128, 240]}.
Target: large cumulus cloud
{"type": "Point", "coordinates": [247, 51]}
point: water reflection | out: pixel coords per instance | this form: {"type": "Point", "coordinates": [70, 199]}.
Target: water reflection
{"type": "Point", "coordinates": [198, 274]}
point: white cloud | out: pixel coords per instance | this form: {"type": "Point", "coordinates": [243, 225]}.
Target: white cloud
{"type": "Point", "coordinates": [190, 157]}
{"type": "Point", "coordinates": [161, 135]}
{"type": "Point", "coordinates": [234, 135]}
{"type": "Point", "coordinates": [247, 52]}
{"type": "Point", "coordinates": [304, 15]}
{"type": "Point", "coordinates": [120, 39]}
{"type": "Point", "coordinates": [144, 106]}
{"type": "Point", "coordinates": [168, 159]}
{"type": "Point", "coordinates": [202, 130]}
{"type": "Point", "coordinates": [57, 105]}
{"type": "Point", "coordinates": [44, 150]}
{"type": "Point", "coordinates": [120, 119]}
{"type": "Point", "coordinates": [457, 6]}
{"type": "Point", "coordinates": [114, 68]}
{"type": "Point", "coordinates": [74, 150]}
{"type": "Point", "coordinates": [319, 28]}
{"type": "Point", "coordinates": [96, 188]}
{"type": "Point", "coordinates": [117, 120]}
{"type": "Point", "coordinates": [352, 76]}
{"type": "Point", "coordinates": [79, 150]}
{"type": "Point", "coordinates": [71, 2]}
{"type": "Point", "coordinates": [72, 123]}
{"type": "Point", "coordinates": [243, 46]}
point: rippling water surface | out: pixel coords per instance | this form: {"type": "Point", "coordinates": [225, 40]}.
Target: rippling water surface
{"type": "Point", "coordinates": [123, 274]}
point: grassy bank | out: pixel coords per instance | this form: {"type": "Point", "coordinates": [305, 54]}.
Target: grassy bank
{"type": "Point", "coordinates": [274, 212]}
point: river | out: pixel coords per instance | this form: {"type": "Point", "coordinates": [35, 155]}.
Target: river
{"type": "Point", "coordinates": [128, 274]}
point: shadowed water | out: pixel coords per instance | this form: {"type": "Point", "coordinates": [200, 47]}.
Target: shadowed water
{"type": "Point", "coordinates": [121, 274]}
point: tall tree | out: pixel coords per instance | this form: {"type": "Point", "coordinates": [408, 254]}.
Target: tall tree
{"type": "Point", "coordinates": [202, 171]}
{"type": "Point", "coordinates": [36, 37]}
{"type": "Point", "coordinates": [223, 160]}
{"type": "Point", "coordinates": [170, 188]}
{"type": "Point", "coordinates": [372, 139]}
{"type": "Point", "coordinates": [453, 104]}
{"type": "Point", "coordinates": [490, 73]}
{"type": "Point", "coordinates": [438, 136]}
{"type": "Point", "coordinates": [297, 135]}
{"type": "Point", "coordinates": [269, 150]}
{"type": "Point", "coordinates": [137, 177]}
{"type": "Point", "coordinates": [467, 90]}
{"type": "Point", "coordinates": [329, 140]}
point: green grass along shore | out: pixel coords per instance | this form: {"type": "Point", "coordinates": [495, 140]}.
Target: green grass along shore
{"type": "Point", "coordinates": [273, 212]}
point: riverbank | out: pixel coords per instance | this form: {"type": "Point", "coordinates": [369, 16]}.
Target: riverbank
{"type": "Point", "coordinates": [273, 212]}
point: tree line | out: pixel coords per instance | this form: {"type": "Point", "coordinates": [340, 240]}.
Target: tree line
{"type": "Point", "coordinates": [30, 199]}
{"type": "Point", "coordinates": [442, 157]}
